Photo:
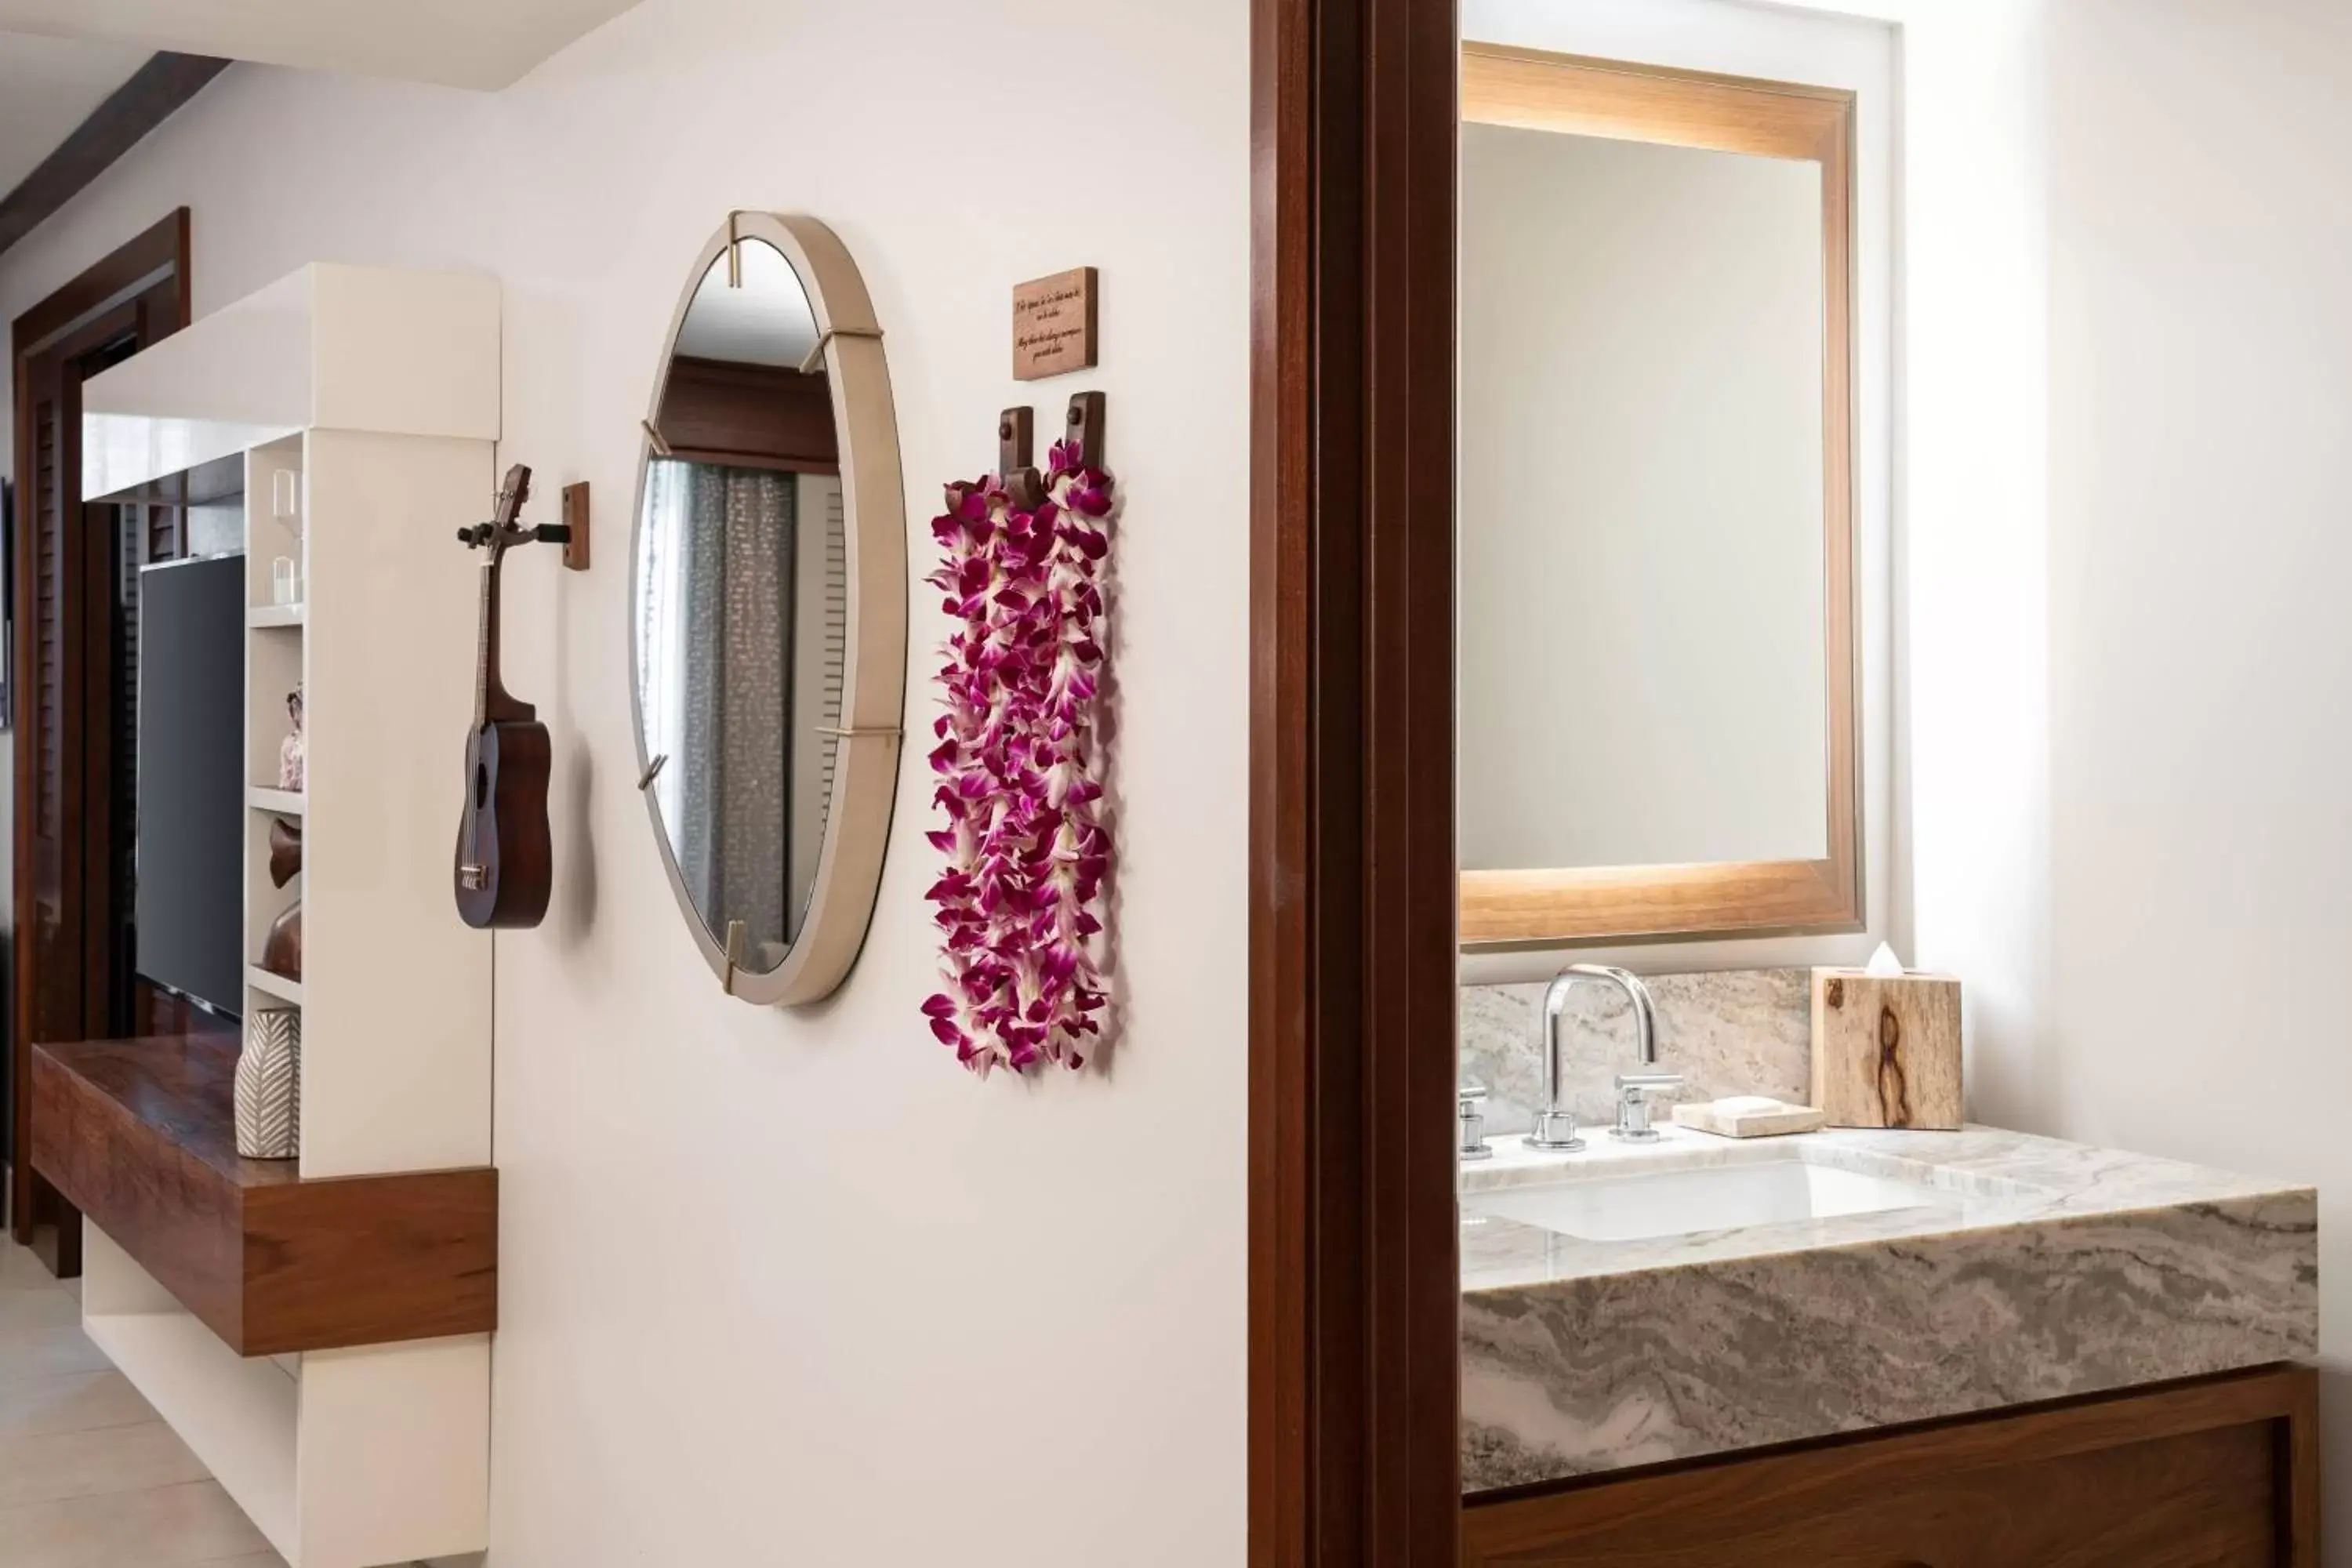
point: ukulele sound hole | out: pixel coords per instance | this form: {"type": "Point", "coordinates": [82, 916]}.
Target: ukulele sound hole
{"type": "Point", "coordinates": [481, 786]}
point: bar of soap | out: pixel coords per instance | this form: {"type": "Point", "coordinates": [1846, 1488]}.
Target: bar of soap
{"type": "Point", "coordinates": [1748, 1116]}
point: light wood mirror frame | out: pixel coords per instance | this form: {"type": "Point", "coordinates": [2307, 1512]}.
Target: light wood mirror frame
{"type": "Point", "coordinates": [1534, 91]}
{"type": "Point", "coordinates": [874, 677]}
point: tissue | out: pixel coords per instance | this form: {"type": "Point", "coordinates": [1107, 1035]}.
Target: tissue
{"type": "Point", "coordinates": [1884, 964]}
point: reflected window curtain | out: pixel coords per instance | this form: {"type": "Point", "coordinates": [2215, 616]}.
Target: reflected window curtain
{"type": "Point", "coordinates": [730, 631]}
{"type": "Point", "coordinates": [740, 587]}
{"type": "Point", "coordinates": [820, 648]}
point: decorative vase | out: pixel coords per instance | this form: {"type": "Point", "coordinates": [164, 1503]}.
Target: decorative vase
{"type": "Point", "coordinates": [269, 1086]}
{"type": "Point", "coordinates": [285, 851]}
{"type": "Point", "coordinates": [281, 947]}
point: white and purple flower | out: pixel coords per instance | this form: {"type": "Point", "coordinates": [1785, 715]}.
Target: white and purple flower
{"type": "Point", "coordinates": [1019, 767]}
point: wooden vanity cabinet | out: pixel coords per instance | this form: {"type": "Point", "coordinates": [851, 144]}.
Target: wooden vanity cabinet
{"type": "Point", "coordinates": [2222, 1472]}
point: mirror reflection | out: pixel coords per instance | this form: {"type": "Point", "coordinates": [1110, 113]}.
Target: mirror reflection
{"type": "Point", "coordinates": [1644, 665]}
{"type": "Point", "coordinates": [741, 600]}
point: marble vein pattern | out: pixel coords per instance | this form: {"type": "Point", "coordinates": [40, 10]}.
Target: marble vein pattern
{"type": "Point", "coordinates": [1743, 1031]}
{"type": "Point", "coordinates": [2031, 1270]}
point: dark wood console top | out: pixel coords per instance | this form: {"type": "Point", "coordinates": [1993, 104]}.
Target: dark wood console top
{"type": "Point", "coordinates": [139, 1136]}
{"type": "Point", "coordinates": [182, 1090]}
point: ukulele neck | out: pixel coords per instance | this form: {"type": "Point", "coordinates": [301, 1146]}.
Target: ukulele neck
{"type": "Point", "coordinates": [492, 702]}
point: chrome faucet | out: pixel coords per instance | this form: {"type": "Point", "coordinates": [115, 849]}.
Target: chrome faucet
{"type": "Point", "coordinates": [1555, 1126]}
{"type": "Point", "coordinates": [1471, 1122]}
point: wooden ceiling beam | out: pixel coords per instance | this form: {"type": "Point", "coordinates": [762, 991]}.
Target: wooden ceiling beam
{"type": "Point", "coordinates": [153, 94]}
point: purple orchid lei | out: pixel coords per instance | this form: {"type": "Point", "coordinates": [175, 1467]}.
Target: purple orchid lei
{"type": "Point", "coordinates": [1019, 770]}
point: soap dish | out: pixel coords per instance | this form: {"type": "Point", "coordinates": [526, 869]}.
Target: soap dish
{"type": "Point", "coordinates": [1749, 1116]}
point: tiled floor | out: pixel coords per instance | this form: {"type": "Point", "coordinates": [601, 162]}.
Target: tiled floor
{"type": "Point", "coordinates": [89, 1477]}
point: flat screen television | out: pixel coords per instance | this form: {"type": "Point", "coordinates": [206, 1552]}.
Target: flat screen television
{"type": "Point", "coordinates": [190, 909]}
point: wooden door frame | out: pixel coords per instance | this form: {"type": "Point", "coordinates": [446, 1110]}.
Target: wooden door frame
{"type": "Point", "coordinates": [148, 278]}
{"type": "Point", "coordinates": [1354, 1285]}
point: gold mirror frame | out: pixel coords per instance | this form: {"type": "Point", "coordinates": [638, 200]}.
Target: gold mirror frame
{"type": "Point", "coordinates": [1534, 91]}
{"type": "Point", "coordinates": [874, 675]}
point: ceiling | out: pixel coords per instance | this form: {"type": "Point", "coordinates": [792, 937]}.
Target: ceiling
{"type": "Point", "coordinates": [46, 88]}
{"type": "Point", "coordinates": [482, 44]}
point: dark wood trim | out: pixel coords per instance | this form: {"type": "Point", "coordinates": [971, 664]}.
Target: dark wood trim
{"type": "Point", "coordinates": [133, 296]}
{"type": "Point", "coordinates": [152, 95]}
{"type": "Point", "coordinates": [719, 457]}
{"type": "Point", "coordinates": [140, 1134]}
{"type": "Point", "coordinates": [8, 608]}
{"type": "Point", "coordinates": [740, 415]}
{"type": "Point", "coordinates": [1354, 1284]}
{"type": "Point", "coordinates": [157, 250]}
{"type": "Point", "coordinates": [1988, 1489]}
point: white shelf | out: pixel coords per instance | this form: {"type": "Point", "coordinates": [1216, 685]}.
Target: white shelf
{"type": "Point", "coordinates": [276, 985]}
{"type": "Point", "coordinates": [329, 347]}
{"type": "Point", "coordinates": [283, 802]}
{"type": "Point", "coordinates": [262, 616]}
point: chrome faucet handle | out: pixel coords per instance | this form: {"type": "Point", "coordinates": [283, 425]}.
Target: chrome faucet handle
{"type": "Point", "coordinates": [1471, 1121]}
{"type": "Point", "coordinates": [1634, 1092]}
{"type": "Point", "coordinates": [1555, 1131]}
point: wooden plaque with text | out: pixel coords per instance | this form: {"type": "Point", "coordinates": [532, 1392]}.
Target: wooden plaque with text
{"type": "Point", "coordinates": [1053, 324]}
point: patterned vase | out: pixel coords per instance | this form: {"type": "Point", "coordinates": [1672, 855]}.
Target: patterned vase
{"type": "Point", "coordinates": [269, 1085]}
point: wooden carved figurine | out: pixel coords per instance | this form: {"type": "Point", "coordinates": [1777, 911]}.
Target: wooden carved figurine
{"type": "Point", "coordinates": [281, 950]}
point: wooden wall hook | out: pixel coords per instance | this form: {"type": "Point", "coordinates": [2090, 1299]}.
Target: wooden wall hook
{"type": "Point", "coordinates": [576, 517]}
{"type": "Point", "coordinates": [1016, 456]}
{"type": "Point", "coordinates": [1082, 430]}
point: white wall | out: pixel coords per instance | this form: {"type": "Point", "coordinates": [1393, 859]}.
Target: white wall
{"type": "Point", "coordinates": [789, 1288]}
{"type": "Point", "coordinates": [1642, 666]}
{"type": "Point", "coordinates": [2129, 674]}
{"type": "Point", "coordinates": [2201, 603]}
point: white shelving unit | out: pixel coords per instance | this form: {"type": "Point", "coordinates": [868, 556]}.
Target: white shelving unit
{"type": "Point", "coordinates": [278, 802]}
{"type": "Point", "coordinates": [275, 988]}
{"type": "Point", "coordinates": [372, 395]}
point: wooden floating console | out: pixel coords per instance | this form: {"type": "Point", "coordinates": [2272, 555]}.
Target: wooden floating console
{"type": "Point", "coordinates": [140, 1135]}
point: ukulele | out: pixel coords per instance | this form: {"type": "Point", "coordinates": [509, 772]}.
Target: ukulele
{"type": "Point", "coordinates": [506, 856]}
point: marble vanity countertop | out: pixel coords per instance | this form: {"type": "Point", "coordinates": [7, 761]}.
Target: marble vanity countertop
{"type": "Point", "coordinates": [2030, 1270]}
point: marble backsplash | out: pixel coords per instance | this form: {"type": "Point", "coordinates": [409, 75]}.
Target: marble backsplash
{"type": "Point", "coordinates": [1737, 1031]}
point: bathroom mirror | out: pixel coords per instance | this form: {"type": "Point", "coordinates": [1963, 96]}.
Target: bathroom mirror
{"type": "Point", "coordinates": [768, 607]}
{"type": "Point", "coordinates": [1657, 656]}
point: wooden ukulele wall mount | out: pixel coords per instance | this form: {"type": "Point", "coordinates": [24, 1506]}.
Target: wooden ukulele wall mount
{"type": "Point", "coordinates": [506, 857]}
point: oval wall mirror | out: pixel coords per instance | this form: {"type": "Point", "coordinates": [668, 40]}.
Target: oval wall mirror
{"type": "Point", "coordinates": [768, 607]}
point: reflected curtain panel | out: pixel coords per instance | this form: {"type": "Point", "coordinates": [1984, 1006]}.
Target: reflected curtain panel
{"type": "Point", "coordinates": [718, 590]}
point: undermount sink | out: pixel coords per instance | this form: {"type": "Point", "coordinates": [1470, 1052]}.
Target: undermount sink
{"type": "Point", "coordinates": [1632, 1206]}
